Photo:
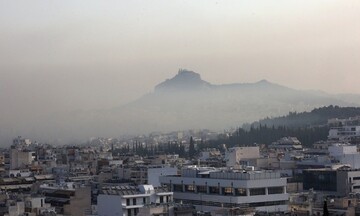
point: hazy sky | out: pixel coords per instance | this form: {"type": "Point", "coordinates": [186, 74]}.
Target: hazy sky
{"type": "Point", "coordinates": [64, 55]}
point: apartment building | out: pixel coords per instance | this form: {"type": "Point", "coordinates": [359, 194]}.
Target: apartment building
{"type": "Point", "coordinates": [212, 189]}
{"type": "Point", "coordinates": [128, 200]}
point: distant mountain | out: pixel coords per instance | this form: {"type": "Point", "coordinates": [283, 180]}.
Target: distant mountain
{"type": "Point", "coordinates": [184, 102]}
{"type": "Point", "coordinates": [315, 117]}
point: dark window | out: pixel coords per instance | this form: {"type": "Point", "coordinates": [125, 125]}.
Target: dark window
{"type": "Point", "coordinates": [129, 212]}
{"type": "Point", "coordinates": [231, 205]}
{"type": "Point", "coordinates": [161, 199]}
{"type": "Point", "coordinates": [214, 190]}
{"type": "Point", "coordinates": [319, 180]}
{"type": "Point", "coordinates": [271, 203]}
{"type": "Point", "coordinates": [356, 187]}
{"type": "Point", "coordinates": [275, 190]}
{"type": "Point", "coordinates": [356, 178]}
{"type": "Point", "coordinates": [134, 201]}
{"type": "Point", "coordinates": [201, 189]}
{"type": "Point", "coordinates": [127, 202]}
{"type": "Point", "coordinates": [257, 191]}
{"type": "Point", "coordinates": [178, 188]}
{"type": "Point", "coordinates": [144, 200]}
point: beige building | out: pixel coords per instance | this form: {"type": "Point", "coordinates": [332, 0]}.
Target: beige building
{"type": "Point", "coordinates": [79, 203]}
{"type": "Point", "coordinates": [234, 155]}
{"type": "Point", "coordinates": [20, 159]}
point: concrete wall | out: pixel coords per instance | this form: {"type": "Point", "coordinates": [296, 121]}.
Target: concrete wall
{"type": "Point", "coordinates": [155, 173]}
{"type": "Point", "coordinates": [234, 155]}
{"type": "Point", "coordinates": [352, 159]}
{"type": "Point", "coordinates": [109, 205]}
{"type": "Point", "coordinates": [339, 150]}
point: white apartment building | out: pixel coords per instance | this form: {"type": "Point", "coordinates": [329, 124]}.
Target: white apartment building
{"type": "Point", "coordinates": [345, 154]}
{"type": "Point", "coordinates": [344, 132]}
{"type": "Point", "coordinates": [341, 149]}
{"type": "Point", "coordinates": [211, 189]}
{"type": "Point", "coordinates": [128, 200]}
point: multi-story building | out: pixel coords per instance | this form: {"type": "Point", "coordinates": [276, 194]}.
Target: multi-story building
{"type": "Point", "coordinates": [211, 189]}
{"type": "Point", "coordinates": [21, 158]}
{"type": "Point", "coordinates": [68, 198]}
{"type": "Point", "coordinates": [344, 133]}
{"type": "Point", "coordinates": [128, 200]}
{"type": "Point", "coordinates": [145, 174]}
{"type": "Point", "coordinates": [345, 154]}
{"type": "Point", "coordinates": [340, 182]}
{"type": "Point", "coordinates": [234, 155]}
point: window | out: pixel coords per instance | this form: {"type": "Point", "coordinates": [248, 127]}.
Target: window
{"type": "Point", "coordinates": [178, 188]}
{"type": "Point", "coordinates": [240, 192]}
{"type": "Point", "coordinates": [270, 203]}
{"type": "Point", "coordinates": [161, 199]}
{"type": "Point", "coordinates": [275, 190]}
{"type": "Point", "coordinates": [257, 191]}
{"type": "Point", "coordinates": [127, 202]}
{"type": "Point", "coordinates": [356, 178]}
{"type": "Point", "coordinates": [144, 200]}
{"type": "Point", "coordinates": [201, 189]}
{"type": "Point", "coordinates": [129, 212]}
{"type": "Point", "coordinates": [190, 188]}
{"type": "Point", "coordinates": [214, 190]}
{"type": "Point", "coordinates": [227, 191]}
{"type": "Point", "coordinates": [134, 201]}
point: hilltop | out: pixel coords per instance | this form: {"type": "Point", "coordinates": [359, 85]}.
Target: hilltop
{"type": "Point", "coordinates": [184, 101]}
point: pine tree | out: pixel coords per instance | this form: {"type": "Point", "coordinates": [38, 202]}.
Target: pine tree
{"type": "Point", "coordinates": [191, 148]}
{"type": "Point", "coordinates": [325, 209]}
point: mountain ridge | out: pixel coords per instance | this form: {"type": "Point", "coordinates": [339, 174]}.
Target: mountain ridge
{"type": "Point", "coordinates": [183, 102]}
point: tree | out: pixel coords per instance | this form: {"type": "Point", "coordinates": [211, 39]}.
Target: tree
{"type": "Point", "coordinates": [191, 148]}
{"type": "Point", "coordinates": [325, 209]}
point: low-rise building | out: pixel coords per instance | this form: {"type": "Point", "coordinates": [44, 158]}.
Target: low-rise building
{"type": "Point", "coordinates": [233, 156]}
{"type": "Point", "coordinates": [128, 200]}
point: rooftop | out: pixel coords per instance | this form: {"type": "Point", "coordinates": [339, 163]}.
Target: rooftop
{"type": "Point", "coordinates": [226, 173]}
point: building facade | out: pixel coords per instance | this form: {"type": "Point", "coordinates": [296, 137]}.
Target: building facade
{"type": "Point", "coordinates": [212, 189]}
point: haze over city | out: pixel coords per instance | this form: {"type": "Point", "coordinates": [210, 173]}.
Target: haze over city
{"type": "Point", "coordinates": [180, 108]}
{"type": "Point", "coordinates": [87, 55]}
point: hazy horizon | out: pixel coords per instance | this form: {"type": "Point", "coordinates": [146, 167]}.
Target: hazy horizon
{"type": "Point", "coordinates": [61, 56]}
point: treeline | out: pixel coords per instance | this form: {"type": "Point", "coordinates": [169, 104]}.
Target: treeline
{"type": "Point", "coordinates": [316, 117]}
{"type": "Point", "coordinates": [260, 135]}
{"type": "Point", "coordinates": [308, 127]}
{"type": "Point", "coordinates": [172, 147]}
{"type": "Point", "coordinates": [267, 135]}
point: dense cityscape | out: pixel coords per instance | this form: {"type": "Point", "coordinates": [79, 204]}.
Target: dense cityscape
{"type": "Point", "coordinates": [179, 174]}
